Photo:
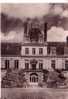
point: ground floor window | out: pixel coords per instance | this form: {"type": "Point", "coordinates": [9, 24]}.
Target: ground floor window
{"type": "Point", "coordinates": [53, 64]}
{"type": "Point", "coordinates": [27, 66]}
{"type": "Point", "coordinates": [33, 66]}
{"type": "Point", "coordinates": [6, 64]}
{"type": "Point", "coordinates": [40, 65]}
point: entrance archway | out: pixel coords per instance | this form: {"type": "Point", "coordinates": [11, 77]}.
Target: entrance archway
{"type": "Point", "coordinates": [33, 78]}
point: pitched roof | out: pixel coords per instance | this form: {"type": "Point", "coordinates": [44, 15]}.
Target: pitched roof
{"type": "Point", "coordinates": [10, 48]}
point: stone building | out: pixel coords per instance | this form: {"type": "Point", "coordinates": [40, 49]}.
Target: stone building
{"type": "Point", "coordinates": [34, 54]}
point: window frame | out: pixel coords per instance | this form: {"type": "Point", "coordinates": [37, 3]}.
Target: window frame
{"type": "Point", "coordinates": [66, 64]}
{"type": "Point", "coordinates": [40, 51]}
{"type": "Point", "coordinates": [16, 63]}
{"type": "Point", "coordinates": [26, 51]}
{"type": "Point", "coordinates": [53, 50]}
{"type": "Point", "coordinates": [53, 64]}
{"type": "Point", "coordinates": [33, 51]}
{"type": "Point", "coordinates": [40, 65]}
{"type": "Point", "coordinates": [7, 64]}
{"type": "Point", "coordinates": [26, 65]}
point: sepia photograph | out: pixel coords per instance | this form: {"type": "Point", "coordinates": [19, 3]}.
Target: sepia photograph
{"type": "Point", "coordinates": [34, 50]}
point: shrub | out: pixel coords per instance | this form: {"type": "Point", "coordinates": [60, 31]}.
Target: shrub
{"type": "Point", "coordinates": [40, 84]}
{"type": "Point", "coordinates": [55, 79]}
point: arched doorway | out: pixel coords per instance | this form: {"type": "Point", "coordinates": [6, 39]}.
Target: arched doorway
{"type": "Point", "coordinates": [33, 78]}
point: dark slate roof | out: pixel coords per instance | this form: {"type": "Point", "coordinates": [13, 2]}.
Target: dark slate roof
{"type": "Point", "coordinates": [46, 43]}
{"type": "Point", "coordinates": [14, 49]}
{"type": "Point", "coordinates": [10, 49]}
{"type": "Point", "coordinates": [34, 44]}
{"type": "Point", "coordinates": [57, 44]}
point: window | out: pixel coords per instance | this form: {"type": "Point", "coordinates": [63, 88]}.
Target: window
{"type": "Point", "coordinates": [66, 64]}
{"type": "Point", "coordinates": [40, 50]}
{"type": "Point", "coordinates": [60, 50]}
{"type": "Point", "coordinates": [53, 50]}
{"type": "Point", "coordinates": [33, 50]}
{"type": "Point", "coordinates": [33, 77]}
{"type": "Point", "coordinates": [40, 65]}
{"type": "Point", "coordinates": [26, 50]}
{"type": "Point", "coordinates": [6, 64]}
{"type": "Point", "coordinates": [33, 66]}
{"type": "Point", "coordinates": [16, 64]}
{"type": "Point", "coordinates": [26, 65]}
{"type": "Point", "coordinates": [53, 64]}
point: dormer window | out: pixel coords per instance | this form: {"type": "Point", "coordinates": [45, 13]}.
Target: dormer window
{"type": "Point", "coordinates": [53, 50]}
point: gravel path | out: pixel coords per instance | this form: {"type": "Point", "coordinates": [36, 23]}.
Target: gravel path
{"type": "Point", "coordinates": [34, 93]}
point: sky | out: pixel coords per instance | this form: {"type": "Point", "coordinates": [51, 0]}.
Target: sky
{"type": "Point", "coordinates": [56, 15]}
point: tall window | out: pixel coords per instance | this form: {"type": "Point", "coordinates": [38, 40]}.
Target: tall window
{"type": "Point", "coordinates": [16, 64]}
{"type": "Point", "coordinates": [26, 65]}
{"type": "Point", "coordinates": [66, 64]}
{"type": "Point", "coordinates": [33, 66]}
{"type": "Point", "coordinates": [40, 50]}
{"type": "Point", "coordinates": [53, 64]}
{"type": "Point", "coordinates": [40, 65]}
{"type": "Point", "coordinates": [6, 64]}
{"type": "Point", "coordinates": [33, 51]}
{"type": "Point", "coordinates": [33, 77]}
{"type": "Point", "coordinates": [26, 50]}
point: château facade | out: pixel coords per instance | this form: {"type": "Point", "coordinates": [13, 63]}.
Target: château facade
{"type": "Point", "coordinates": [34, 54]}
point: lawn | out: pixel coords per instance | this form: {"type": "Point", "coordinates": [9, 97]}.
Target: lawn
{"type": "Point", "coordinates": [34, 93]}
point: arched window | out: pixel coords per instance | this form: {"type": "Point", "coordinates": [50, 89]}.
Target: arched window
{"type": "Point", "coordinates": [33, 78]}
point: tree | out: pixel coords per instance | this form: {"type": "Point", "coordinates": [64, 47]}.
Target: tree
{"type": "Point", "coordinates": [45, 75]}
{"type": "Point", "coordinates": [13, 78]}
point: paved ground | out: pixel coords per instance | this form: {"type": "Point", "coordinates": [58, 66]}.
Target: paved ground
{"type": "Point", "coordinates": [34, 93]}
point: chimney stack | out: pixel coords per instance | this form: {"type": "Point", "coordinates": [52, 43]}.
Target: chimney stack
{"type": "Point", "coordinates": [45, 31]}
{"type": "Point", "coordinates": [26, 28]}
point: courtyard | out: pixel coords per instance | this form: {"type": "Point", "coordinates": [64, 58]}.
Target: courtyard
{"type": "Point", "coordinates": [34, 93]}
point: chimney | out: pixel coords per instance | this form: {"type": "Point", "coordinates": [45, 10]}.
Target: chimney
{"type": "Point", "coordinates": [67, 39]}
{"type": "Point", "coordinates": [25, 28]}
{"type": "Point", "coordinates": [45, 31]}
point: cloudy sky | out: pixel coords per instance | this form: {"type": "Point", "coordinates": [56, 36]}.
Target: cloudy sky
{"type": "Point", "coordinates": [56, 15]}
